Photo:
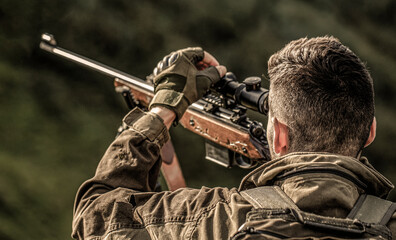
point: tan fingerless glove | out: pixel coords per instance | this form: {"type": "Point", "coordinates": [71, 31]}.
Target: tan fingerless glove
{"type": "Point", "coordinates": [177, 81]}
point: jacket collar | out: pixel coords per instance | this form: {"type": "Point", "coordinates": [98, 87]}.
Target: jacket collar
{"type": "Point", "coordinates": [375, 183]}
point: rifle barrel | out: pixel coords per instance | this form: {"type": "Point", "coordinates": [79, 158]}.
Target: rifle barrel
{"type": "Point", "coordinates": [48, 43]}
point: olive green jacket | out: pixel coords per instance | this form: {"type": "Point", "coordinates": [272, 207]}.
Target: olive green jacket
{"type": "Point", "coordinates": [119, 202]}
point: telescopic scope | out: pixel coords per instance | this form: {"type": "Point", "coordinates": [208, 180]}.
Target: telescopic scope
{"type": "Point", "coordinates": [249, 93]}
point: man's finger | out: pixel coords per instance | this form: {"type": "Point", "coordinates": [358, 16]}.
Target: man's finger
{"type": "Point", "coordinates": [209, 59]}
{"type": "Point", "coordinates": [222, 70]}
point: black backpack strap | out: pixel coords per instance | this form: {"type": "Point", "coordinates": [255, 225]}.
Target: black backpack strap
{"type": "Point", "coordinates": [268, 197]}
{"type": "Point", "coordinates": [372, 209]}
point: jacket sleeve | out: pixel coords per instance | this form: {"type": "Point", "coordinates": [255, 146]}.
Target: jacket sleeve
{"type": "Point", "coordinates": [132, 160]}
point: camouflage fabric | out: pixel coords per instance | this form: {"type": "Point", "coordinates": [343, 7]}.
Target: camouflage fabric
{"type": "Point", "coordinates": [119, 202]}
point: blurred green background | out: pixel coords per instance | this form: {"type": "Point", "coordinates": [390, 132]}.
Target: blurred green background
{"type": "Point", "coordinates": [57, 119]}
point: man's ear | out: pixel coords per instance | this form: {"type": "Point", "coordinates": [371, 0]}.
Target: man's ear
{"type": "Point", "coordinates": [281, 138]}
{"type": "Point", "coordinates": [373, 130]}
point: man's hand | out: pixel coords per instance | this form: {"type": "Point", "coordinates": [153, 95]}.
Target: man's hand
{"type": "Point", "coordinates": [183, 77]}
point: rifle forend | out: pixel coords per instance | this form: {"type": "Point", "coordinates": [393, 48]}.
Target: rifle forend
{"type": "Point", "coordinates": [220, 116]}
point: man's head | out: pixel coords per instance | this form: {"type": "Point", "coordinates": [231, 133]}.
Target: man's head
{"type": "Point", "coordinates": [321, 99]}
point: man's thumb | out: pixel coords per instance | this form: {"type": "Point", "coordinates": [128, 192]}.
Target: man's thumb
{"type": "Point", "coordinates": [222, 70]}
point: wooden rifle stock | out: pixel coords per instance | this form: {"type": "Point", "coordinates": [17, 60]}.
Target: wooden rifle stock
{"type": "Point", "coordinates": [204, 124]}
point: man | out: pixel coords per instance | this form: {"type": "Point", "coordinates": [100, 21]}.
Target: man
{"type": "Point", "coordinates": [321, 116]}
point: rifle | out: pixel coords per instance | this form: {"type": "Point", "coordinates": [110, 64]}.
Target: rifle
{"type": "Point", "coordinates": [232, 139]}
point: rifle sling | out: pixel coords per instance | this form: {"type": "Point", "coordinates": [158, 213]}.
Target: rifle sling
{"type": "Point", "coordinates": [170, 168]}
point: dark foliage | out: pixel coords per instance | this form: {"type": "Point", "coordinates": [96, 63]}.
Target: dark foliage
{"type": "Point", "coordinates": [57, 119]}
